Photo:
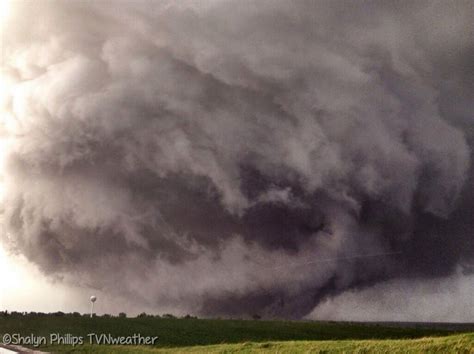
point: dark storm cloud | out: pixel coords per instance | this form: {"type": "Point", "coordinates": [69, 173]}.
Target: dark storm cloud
{"type": "Point", "coordinates": [182, 154]}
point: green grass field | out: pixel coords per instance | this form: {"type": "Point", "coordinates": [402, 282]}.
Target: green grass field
{"type": "Point", "coordinates": [230, 336]}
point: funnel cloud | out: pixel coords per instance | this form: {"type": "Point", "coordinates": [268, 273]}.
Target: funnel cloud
{"type": "Point", "coordinates": [228, 158]}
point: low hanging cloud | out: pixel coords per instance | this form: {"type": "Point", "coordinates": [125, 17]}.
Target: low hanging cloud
{"type": "Point", "coordinates": [422, 300]}
{"type": "Point", "coordinates": [228, 158]}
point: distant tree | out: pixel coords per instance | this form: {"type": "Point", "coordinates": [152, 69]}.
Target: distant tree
{"type": "Point", "coordinates": [106, 315]}
{"type": "Point", "coordinates": [75, 314]}
{"type": "Point", "coordinates": [256, 316]}
{"type": "Point", "coordinates": [168, 315]}
{"type": "Point", "coordinates": [188, 317]}
{"type": "Point", "coordinates": [122, 315]}
{"type": "Point", "coordinates": [142, 315]}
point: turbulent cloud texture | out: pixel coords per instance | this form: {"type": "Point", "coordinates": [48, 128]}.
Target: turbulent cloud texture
{"type": "Point", "coordinates": [238, 157]}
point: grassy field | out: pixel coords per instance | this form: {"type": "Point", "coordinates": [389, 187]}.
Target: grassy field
{"type": "Point", "coordinates": [216, 336]}
{"type": "Point", "coordinates": [449, 344]}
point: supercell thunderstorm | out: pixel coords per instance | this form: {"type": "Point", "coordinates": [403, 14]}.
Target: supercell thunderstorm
{"type": "Point", "coordinates": [212, 157]}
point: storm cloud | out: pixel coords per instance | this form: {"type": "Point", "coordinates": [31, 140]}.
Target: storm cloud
{"type": "Point", "coordinates": [238, 157]}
